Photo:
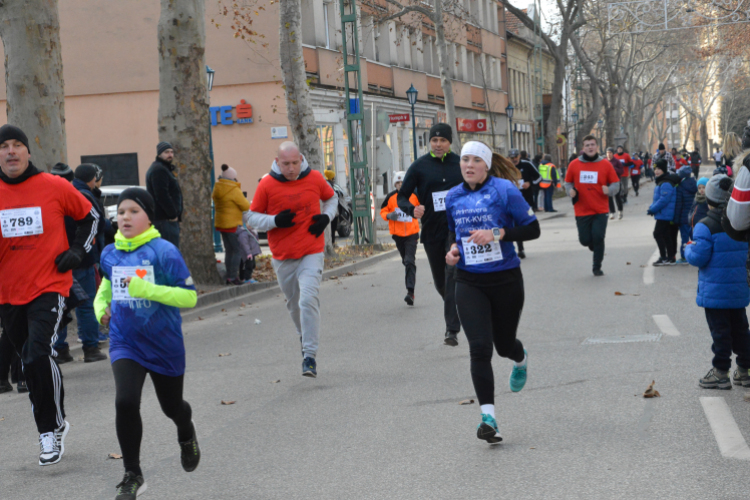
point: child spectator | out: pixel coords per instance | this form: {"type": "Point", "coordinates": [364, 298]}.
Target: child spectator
{"type": "Point", "coordinates": [249, 248]}
{"type": "Point", "coordinates": [662, 209]}
{"type": "Point", "coordinates": [404, 231]}
{"type": "Point", "coordinates": [722, 289]}
{"type": "Point", "coordinates": [684, 197]}
{"type": "Point", "coordinates": [699, 210]}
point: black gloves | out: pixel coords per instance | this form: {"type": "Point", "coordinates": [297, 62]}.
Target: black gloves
{"type": "Point", "coordinates": [284, 218]}
{"type": "Point", "coordinates": [319, 224]}
{"type": "Point", "coordinates": [70, 259]}
{"type": "Point", "coordinates": [392, 216]}
{"type": "Point", "coordinates": [649, 212]}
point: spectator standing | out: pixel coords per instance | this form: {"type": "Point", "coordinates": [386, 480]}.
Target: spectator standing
{"type": "Point", "coordinates": [699, 210]}
{"type": "Point", "coordinates": [330, 176]}
{"type": "Point", "coordinates": [550, 181]}
{"type": "Point", "coordinates": [732, 149]}
{"type": "Point", "coordinates": [662, 209]}
{"type": "Point", "coordinates": [695, 164]}
{"type": "Point", "coordinates": [684, 198]}
{"type": "Point", "coordinates": [162, 185]}
{"type": "Point", "coordinates": [229, 203]}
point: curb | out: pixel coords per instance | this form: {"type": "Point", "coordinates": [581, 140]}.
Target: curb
{"type": "Point", "coordinates": [214, 302]}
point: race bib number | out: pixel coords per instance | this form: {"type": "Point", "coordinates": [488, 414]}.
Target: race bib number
{"type": "Point", "coordinates": [21, 222]}
{"type": "Point", "coordinates": [402, 216]}
{"type": "Point", "coordinates": [120, 274]}
{"type": "Point", "coordinates": [636, 171]}
{"type": "Point", "coordinates": [438, 200]}
{"type": "Point", "coordinates": [589, 177]}
{"type": "Point", "coordinates": [481, 254]}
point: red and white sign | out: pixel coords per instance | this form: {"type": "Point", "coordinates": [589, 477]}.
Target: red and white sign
{"type": "Point", "coordinates": [467, 125]}
{"type": "Point", "coordinates": [399, 118]}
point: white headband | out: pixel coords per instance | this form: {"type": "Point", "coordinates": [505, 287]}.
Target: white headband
{"type": "Point", "coordinates": [478, 149]}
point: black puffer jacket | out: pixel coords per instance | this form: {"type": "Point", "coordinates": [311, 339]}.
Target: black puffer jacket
{"type": "Point", "coordinates": [162, 185]}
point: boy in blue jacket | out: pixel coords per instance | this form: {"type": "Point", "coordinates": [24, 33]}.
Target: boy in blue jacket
{"type": "Point", "coordinates": [145, 282]}
{"type": "Point", "coordinates": [684, 196]}
{"type": "Point", "coordinates": [723, 290]}
{"type": "Point", "coordinates": [663, 208]}
{"type": "Point", "coordinates": [699, 210]}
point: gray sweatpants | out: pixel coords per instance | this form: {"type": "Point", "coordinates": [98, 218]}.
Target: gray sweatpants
{"type": "Point", "coordinates": [300, 281]}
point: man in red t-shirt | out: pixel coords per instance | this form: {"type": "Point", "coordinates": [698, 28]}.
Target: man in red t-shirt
{"type": "Point", "coordinates": [635, 174]}
{"type": "Point", "coordinates": [35, 264]}
{"type": "Point", "coordinates": [287, 206]}
{"type": "Point", "coordinates": [627, 161]}
{"type": "Point", "coordinates": [589, 181]}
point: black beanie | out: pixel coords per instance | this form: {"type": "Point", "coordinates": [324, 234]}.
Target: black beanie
{"type": "Point", "coordinates": [163, 146]}
{"type": "Point", "coordinates": [661, 146]}
{"type": "Point", "coordinates": [441, 130]}
{"type": "Point", "coordinates": [8, 132]}
{"type": "Point", "coordinates": [746, 138]}
{"type": "Point", "coordinates": [86, 172]}
{"type": "Point", "coordinates": [62, 170]}
{"type": "Point", "coordinates": [662, 165]}
{"type": "Point", "coordinates": [140, 196]}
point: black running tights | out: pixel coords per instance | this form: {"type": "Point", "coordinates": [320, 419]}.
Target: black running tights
{"type": "Point", "coordinates": [129, 379]}
{"type": "Point", "coordinates": [502, 305]}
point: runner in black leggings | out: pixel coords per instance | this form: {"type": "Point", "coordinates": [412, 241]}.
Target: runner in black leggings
{"type": "Point", "coordinates": [486, 214]}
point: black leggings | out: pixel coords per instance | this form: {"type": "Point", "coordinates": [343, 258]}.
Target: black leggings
{"type": "Point", "coordinates": [502, 305]}
{"type": "Point", "coordinates": [129, 379]}
{"type": "Point", "coordinates": [666, 238]}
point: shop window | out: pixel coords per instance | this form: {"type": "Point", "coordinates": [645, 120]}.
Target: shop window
{"type": "Point", "coordinates": [119, 169]}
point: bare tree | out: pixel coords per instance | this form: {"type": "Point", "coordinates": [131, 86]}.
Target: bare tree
{"type": "Point", "coordinates": [30, 30]}
{"type": "Point", "coordinates": [184, 122]}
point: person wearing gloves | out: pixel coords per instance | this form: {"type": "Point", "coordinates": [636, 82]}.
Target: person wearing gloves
{"type": "Point", "coordinates": [662, 209]}
{"type": "Point", "coordinates": [287, 206]}
{"type": "Point", "coordinates": [617, 200]}
{"type": "Point", "coordinates": [145, 282]}
{"type": "Point", "coordinates": [486, 214]}
{"type": "Point", "coordinates": [723, 289]}
{"type": "Point", "coordinates": [404, 231]}
{"type": "Point", "coordinates": [699, 210]}
{"type": "Point", "coordinates": [590, 181]}
{"type": "Point", "coordinates": [684, 197]}
{"type": "Point", "coordinates": [330, 176]}
{"type": "Point", "coordinates": [229, 203]}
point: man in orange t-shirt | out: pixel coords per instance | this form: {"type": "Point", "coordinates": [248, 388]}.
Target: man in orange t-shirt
{"type": "Point", "coordinates": [35, 265]}
{"type": "Point", "coordinates": [590, 180]}
{"type": "Point", "coordinates": [287, 206]}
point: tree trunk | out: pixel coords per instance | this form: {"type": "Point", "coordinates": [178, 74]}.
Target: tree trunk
{"type": "Point", "coordinates": [445, 80]}
{"type": "Point", "coordinates": [705, 152]}
{"type": "Point", "coordinates": [30, 30]}
{"type": "Point", "coordinates": [184, 122]}
{"type": "Point", "coordinates": [553, 120]}
{"type": "Point", "coordinates": [298, 102]}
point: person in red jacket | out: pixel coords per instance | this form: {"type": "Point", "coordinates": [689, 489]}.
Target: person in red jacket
{"type": "Point", "coordinates": [404, 231]}
{"type": "Point", "coordinates": [287, 205]}
{"type": "Point", "coordinates": [635, 174]}
{"type": "Point", "coordinates": [627, 162]}
{"type": "Point", "coordinates": [35, 265]}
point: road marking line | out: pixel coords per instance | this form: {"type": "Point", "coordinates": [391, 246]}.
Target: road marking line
{"type": "Point", "coordinates": [665, 325]}
{"type": "Point", "coordinates": [648, 271]}
{"type": "Point", "coordinates": [728, 436]}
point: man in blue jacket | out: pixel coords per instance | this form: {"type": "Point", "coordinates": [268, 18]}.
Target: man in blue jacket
{"type": "Point", "coordinates": [684, 196]}
{"type": "Point", "coordinates": [662, 209]}
{"type": "Point", "coordinates": [722, 289]}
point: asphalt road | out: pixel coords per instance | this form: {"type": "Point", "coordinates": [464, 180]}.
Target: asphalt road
{"type": "Point", "coordinates": [382, 419]}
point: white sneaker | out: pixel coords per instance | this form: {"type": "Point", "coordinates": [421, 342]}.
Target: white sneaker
{"type": "Point", "coordinates": [611, 216]}
{"type": "Point", "coordinates": [60, 436]}
{"type": "Point", "coordinates": [619, 217]}
{"type": "Point", "coordinates": [49, 451]}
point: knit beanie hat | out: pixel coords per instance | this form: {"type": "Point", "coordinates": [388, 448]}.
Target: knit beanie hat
{"type": "Point", "coordinates": [661, 165]}
{"type": "Point", "coordinates": [8, 132]}
{"type": "Point", "coordinates": [62, 170]}
{"type": "Point", "coordinates": [719, 190]}
{"type": "Point", "coordinates": [703, 181]}
{"type": "Point", "coordinates": [661, 146]}
{"type": "Point", "coordinates": [329, 174]}
{"type": "Point", "coordinates": [86, 172]}
{"type": "Point", "coordinates": [163, 146]}
{"type": "Point", "coordinates": [228, 172]}
{"type": "Point", "coordinates": [684, 172]}
{"type": "Point", "coordinates": [441, 130]}
{"type": "Point", "coordinates": [140, 196]}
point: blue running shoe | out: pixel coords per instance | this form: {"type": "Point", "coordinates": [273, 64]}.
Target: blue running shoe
{"type": "Point", "coordinates": [309, 368]}
{"type": "Point", "coordinates": [518, 375]}
{"type": "Point", "coordinates": [488, 430]}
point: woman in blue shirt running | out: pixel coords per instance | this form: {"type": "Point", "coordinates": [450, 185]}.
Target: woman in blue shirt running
{"type": "Point", "coordinates": [486, 214]}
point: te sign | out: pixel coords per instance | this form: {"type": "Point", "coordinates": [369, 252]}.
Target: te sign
{"type": "Point", "coordinates": [222, 115]}
{"type": "Point", "coordinates": [399, 118]}
{"type": "Point", "coordinates": [467, 125]}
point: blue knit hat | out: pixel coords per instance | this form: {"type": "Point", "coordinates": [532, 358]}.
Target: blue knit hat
{"type": "Point", "coordinates": [703, 181]}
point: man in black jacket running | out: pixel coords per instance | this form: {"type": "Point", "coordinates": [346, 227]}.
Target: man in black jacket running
{"type": "Point", "coordinates": [432, 176]}
{"type": "Point", "coordinates": [163, 187]}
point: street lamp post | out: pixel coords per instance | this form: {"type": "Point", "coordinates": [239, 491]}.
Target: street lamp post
{"type": "Point", "coordinates": [509, 111]}
{"type": "Point", "coordinates": [210, 85]}
{"type": "Point", "coordinates": [599, 125]}
{"type": "Point", "coordinates": [574, 116]}
{"type": "Point", "coordinates": [411, 94]}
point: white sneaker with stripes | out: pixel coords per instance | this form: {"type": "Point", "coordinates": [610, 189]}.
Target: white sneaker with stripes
{"type": "Point", "coordinates": [49, 451]}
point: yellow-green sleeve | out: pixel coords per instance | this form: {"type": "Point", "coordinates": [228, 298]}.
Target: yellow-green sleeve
{"type": "Point", "coordinates": [167, 295]}
{"type": "Point", "coordinates": [103, 299]}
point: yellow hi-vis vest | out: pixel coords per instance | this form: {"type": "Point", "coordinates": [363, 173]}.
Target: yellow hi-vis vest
{"type": "Point", "coordinates": [546, 172]}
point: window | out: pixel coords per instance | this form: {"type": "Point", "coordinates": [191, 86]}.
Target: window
{"type": "Point", "coordinates": [325, 133]}
{"type": "Point", "coordinates": [119, 169]}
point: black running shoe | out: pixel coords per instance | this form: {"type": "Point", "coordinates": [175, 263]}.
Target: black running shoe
{"type": "Point", "coordinates": [22, 387]}
{"type": "Point", "coordinates": [63, 356]}
{"type": "Point", "coordinates": [309, 367]}
{"type": "Point", "coordinates": [130, 487]}
{"type": "Point", "coordinates": [451, 338]}
{"type": "Point", "coordinates": [521, 254]}
{"type": "Point", "coordinates": [409, 299]}
{"type": "Point", "coordinates": [191, 452]}
{"type": "Point", "coordinates": [5, 386]}
{"type": "Point", "coordinates": [598, 272]}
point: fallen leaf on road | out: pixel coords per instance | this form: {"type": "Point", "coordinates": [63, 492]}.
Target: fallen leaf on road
{"type": "Point", "coordinates": [627, 263]}
{"type": "Point", "coordinates": [635, 294]}
{"type": "Point", "coordinates": [242, 305]}
{"type": "Point", "coordinates": [200, 319]}
{"type": "Point", "coordinates": [275, 381]}
{"type": "Point", "coordinates": [349, 274]}
{"type": "Point", "coordinates": [746, 397]}
{"type": "Point", "coordinates": [115, 456]}
{"type": "Point", "coordinates": [222, 354]}
{"type": "Point", "coordinates": [227, 402]}
{"type": "Point", "coordinates": [466, 402]}
{"type": "Point", "coordinates": [644, 266]}
{"type": "Point", "coordinates": [240, 315]}
{"type": "Point", "coordinates": [1, 419]}
{"type": "Point", "coordinates": [334, 277]}
{"type": "Point", "coordinates": [223, 310]}
{"type": "Point", "coordinates": [619, 293]}
{"type": "Point", "coordinates": [651, 392]}
{"type": "Point", "coordinates": [532, 448]}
